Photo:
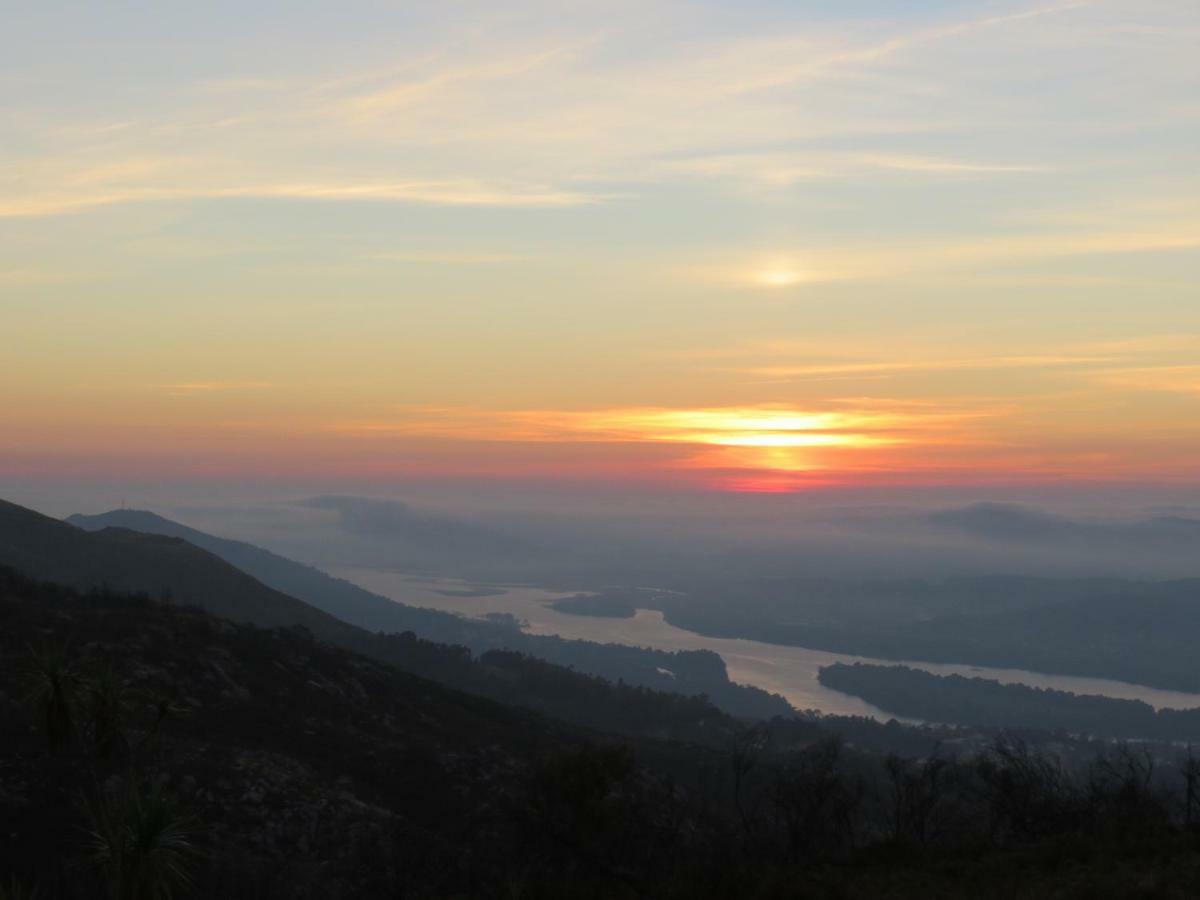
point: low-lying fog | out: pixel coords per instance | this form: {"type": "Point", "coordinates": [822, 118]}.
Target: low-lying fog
{"type": "Point", "coordinates": [572, 540]}
{"type": "Point", "coordinates": [580, 536]}
{"type": "Point", "coordinates": [583, 537]}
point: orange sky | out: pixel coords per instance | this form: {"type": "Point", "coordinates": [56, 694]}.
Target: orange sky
{"type": "Point", "coordinates": [737, 248]}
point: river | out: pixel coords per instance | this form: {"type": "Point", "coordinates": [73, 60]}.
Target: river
{"type": "Point", "coordinates": [788, 671]}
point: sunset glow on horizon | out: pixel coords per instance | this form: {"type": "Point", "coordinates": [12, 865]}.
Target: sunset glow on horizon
{"type": "Point", "coordinates": [761, 248]}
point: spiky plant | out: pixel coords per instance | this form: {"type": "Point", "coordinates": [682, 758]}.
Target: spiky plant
{"type": "Point", "coordinates": [54, 691]}
{"type": "Point", "coordinates": [107, 707]}
{"type": "Point", "coordinates": [167, 707]}
{"type": "Point", "coordinates": [141, 843]}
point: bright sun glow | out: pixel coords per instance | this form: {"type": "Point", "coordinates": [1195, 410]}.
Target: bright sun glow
{"type": "Point", "coordinates": [777, 272]}
{"type": "Point", "coordinates": [750, 427]}
{"type": "Point", "coordinates": [758, 448]}
{"type": "Point", "coordinates": [536, 240]}
{"type": "Point", "coordinates": [761, 426]}
{"type": "Point", "coordinates": [778, 277]}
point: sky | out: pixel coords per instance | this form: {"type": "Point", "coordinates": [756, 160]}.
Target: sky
{"type": "Point", "coordinates": [753, 247]}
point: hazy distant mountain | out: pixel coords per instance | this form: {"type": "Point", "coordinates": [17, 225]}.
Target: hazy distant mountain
{"type": "Point", "coordinates": [335, 596]}
{"type": "Point", "coordinates": [156, 564]}
{"type": "Point", "coordinates": [427, 533]}
{"type": "Point", "coordinates": [685, 672]}
{"type": "Point", "coordinates": [1013, 522]}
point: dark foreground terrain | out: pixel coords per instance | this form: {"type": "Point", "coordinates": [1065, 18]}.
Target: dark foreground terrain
{"type": "Point", "coordinates": [139, 551]}
{"type": "Point", "coordinates": [153, 750]}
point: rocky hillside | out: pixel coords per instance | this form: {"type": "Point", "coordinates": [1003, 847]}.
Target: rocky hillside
{"type": "Point", "coordinates": [152, 750]}
{"type": "Point", "coordinates": [171, 568]}
{"type": "Point", "coordinates": [288, 755]}
{"type": "Point", "coordinates": [688, 672]}
{"type": "Point", "coordinates": [161, 566]}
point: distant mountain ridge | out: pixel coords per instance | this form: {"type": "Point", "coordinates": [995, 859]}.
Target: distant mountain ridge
{"type": "Point", "coordinates": [1016, 523]}
{"type": "Point", "coordinates": [335, 596]}
{"type": "Point", "coordinates": [685, 672]}
{"type": "Point", "coordinates": [156, 564]}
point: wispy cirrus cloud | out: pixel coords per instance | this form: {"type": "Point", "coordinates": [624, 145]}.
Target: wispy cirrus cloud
{"type": "Point", "coordinates": [1166, 378]}
{"type": "Point", "coordinates": [823, 261]}
{"type": "Point", "coordinates": [787, 360]}
{"type": "Point", "coordinates": [822, 64]}
{"type": "Point", "coordinates": [449, 257]}
{"type": "Point", "coordinates": [427, 193]}
{"type": "Point", "coordinates": [514, 117]}
{"type": "Point", "coordinates": [941, 199]}
{"type": "Point", "coordinates": [200, 388]}
{"type": "Point", "coordinates": [776, 170]}
{"type": "Point", "coordinates": [826, 371]}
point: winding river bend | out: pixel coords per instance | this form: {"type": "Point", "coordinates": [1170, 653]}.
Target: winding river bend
{"type": "Point", "coordinates": [789, 671]}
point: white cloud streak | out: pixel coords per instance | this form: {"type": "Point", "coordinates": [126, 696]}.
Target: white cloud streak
{"type": "Point", "coordinates": [523, 119]}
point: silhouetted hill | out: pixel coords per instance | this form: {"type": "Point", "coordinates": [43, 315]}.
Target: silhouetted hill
{"type": "Point", "coordinates": [335, 596]}
{"type": "Point", "coordinates": [425, 533]}
{"type": "Point", "coordinates": [282, 746]}
{"type": "Point", "coordinates": [1017, 523]}
{"type": "Point", "coordinates": [152, 750]}
{"type": "Point", "coordinates": [121, 559]}
{"type": "Point", "coordinates": [127, 560]}
{"type": "Point", "coordinates": [683, 672]}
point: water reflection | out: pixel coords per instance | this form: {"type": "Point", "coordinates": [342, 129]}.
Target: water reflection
{"type": "Point", "coordinates": [789, 671]}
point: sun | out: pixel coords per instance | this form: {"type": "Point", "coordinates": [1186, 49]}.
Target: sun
{"type": "Point", "coordinates": [778, 273]}
{"type": "Point", "coordinates": [778, 277]}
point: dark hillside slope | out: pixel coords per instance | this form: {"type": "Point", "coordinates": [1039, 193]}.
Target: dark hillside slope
{"type": "Point", "coordinates": [336, 596]}
{"type": "Point", "coordinates": [152, 750]}
{"type": "Point", "coordinates": [158, 565]}
{"type": "Point", "coordinates": [293, 759]}
{"type": "Point", "coordinates": [54, 551]}
{"type": "Point", "coordinates": [684, 672]}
